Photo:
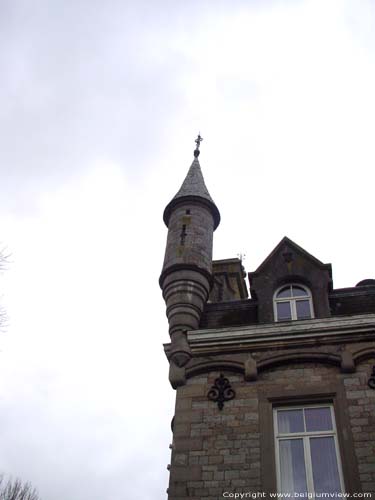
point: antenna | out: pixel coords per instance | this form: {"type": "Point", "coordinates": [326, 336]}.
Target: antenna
{"type": "Point", "coordinates": [241, 256]}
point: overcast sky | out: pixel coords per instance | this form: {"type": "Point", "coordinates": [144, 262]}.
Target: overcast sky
{"type": "Point", "coordinates": [100, 106]}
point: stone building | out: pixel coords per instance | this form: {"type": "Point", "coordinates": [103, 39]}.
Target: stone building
{"type": "Point", "coordinates": [274, 392]}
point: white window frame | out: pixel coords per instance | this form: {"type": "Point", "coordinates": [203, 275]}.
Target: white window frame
{"type": "Point", "coordinates": [292, 301]}
{"type": "Point", "coordinates": [305, 436]}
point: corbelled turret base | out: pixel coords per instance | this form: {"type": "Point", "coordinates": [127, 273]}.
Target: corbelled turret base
{"type": "Point", "coordinates": [185, 292]}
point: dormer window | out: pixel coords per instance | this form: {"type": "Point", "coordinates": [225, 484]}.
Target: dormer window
{"type": "Point", "coordinates": [293, 302]}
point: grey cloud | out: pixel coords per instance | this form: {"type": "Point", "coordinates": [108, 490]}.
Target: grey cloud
{"type": "Point", "coordinates": [81, 82]}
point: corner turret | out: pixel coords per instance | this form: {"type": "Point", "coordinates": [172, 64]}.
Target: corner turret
{"type": "Point", "coordinates": [186, 279]}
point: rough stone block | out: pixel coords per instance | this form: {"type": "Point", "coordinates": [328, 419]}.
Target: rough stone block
{"type": "Point", "coordinates": [182, 444]}
{"type": "Point", "coordinates": [181, 473]}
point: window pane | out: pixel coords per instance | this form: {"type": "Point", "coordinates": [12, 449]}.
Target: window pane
{"type": "Point", "coordinates": [318, 419]}
{"type": "Point", "coordinates": [292, 466]}
{"type": "Point", "coordinates": [303, 309]}
{"type": "Point", "coordinates": [284, 292]}
{"type": "Point", "coordinates": [290, 421]}
{"type": "Point", "coordinates": [283, 311]}
{"type": "Point", "coordinates": [324, 465]}
{"type": "Point", "coordinates": [299, 292]}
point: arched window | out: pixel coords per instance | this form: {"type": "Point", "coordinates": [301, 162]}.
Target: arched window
{"type": "Point", "coordinates": [293, 302]}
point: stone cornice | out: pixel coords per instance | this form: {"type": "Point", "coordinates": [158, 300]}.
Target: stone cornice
{"type": "Point", "coordinates": [289, 334]}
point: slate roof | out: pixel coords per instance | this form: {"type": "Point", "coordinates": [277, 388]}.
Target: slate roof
{"type": "Point", "coordinates": [194, 189]}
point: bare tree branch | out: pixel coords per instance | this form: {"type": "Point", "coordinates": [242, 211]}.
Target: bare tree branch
{"type": "Point", "coordinates": [15, 489]}
{"type": "Point", "coordinates": [4, 258]}
{"type": "Point", "coordinates": [4, 261]}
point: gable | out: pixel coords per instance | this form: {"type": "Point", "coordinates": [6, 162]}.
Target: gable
{"type": "Point", "coordinates": [287, 251]}
{"type": "Point", "coordinates": [289, 263]}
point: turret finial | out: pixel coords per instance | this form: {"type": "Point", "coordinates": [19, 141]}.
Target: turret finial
{"type": "Point", "coordinates": [198, 141]}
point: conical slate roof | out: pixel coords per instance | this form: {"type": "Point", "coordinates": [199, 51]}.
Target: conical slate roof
{"type": "Point", "coordinates": [193, 189]}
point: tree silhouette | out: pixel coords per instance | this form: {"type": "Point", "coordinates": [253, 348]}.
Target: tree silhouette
{"type": "Point", "coordinates": [15, 489]}
{"type": "Point", "coordinates": [4, 259]}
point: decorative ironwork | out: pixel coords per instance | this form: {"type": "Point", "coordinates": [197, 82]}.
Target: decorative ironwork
{"type": "Point", "coordinates": [371, 380]}
{"type": "Point", "coordinates": [221, 391]}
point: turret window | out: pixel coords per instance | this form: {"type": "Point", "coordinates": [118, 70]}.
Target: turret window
{"type": "Point", "coordinates": [293, 302]}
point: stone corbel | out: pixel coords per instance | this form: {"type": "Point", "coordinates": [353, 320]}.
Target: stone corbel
{"type": "Point", "coordinates": [251, 370]}
{"type": "Point", "coordinates": [177, 375]}
{"type": "Point", "coordinates": [179, 351]}
{"type": "Point", "coordinates": [347, 362]}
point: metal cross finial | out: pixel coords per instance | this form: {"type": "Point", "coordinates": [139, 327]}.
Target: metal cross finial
{"type": "Point", "coordinates": [198, 141]}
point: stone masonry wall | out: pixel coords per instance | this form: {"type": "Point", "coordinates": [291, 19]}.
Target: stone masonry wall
{"type": "Point", "coordinates": [220, 451]}
{"type": "Point", "coordinates": [361, 400]}
{"type": "Point", "coordinates": [190, 235]}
